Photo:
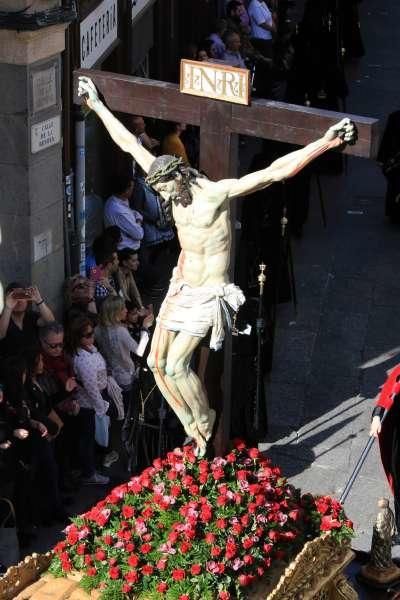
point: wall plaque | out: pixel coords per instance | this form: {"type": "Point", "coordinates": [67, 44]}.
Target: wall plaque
{"type": "Point", "coordinates": [45, 134]}
{"type": "Point", "coordinates": [97, 32]}
{"type": "Point", "coordinates": [42, 245]}
{"type": "Point", "coordinates": [44, 88]}
{"type": "Point", "coordinates": [215, 80]}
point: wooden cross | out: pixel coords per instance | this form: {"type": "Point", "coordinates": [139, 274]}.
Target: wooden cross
{"type": "Point", "coordinates": [220, 123]}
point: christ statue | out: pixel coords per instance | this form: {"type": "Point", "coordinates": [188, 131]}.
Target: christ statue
{"type": "Point", "coordinates": [200, 295]}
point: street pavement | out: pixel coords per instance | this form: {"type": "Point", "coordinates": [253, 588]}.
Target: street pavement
{"type": "Point", "coordinates": [331, 356]}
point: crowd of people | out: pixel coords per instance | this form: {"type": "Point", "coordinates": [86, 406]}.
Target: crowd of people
{"type": "Point", "coordinates": [70, 388]}
{"type": "Point", "coordinates": [254, 35]}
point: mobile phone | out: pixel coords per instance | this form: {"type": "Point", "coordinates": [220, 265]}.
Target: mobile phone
{"type": "Point", "coordinates": [21, 294]}
{"type": "Point", "coordinates": [96, 274]}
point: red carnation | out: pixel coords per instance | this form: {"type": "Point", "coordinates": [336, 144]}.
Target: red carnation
{"type": "Point", "coordinates": [114, 572]}
{"type": "Point", "coordinates": [322, 505]}
{"type": "Point", "coordinates": [172, 475]}
{"type": "Point", "coordinates": [194, 490]}
{"type": "Point", "coordinates": [81, 549]}
{"type": "Point", "coordinates": [178, 574]}
{"type": "Point", "coordinates": [107, 539]}
{"type": "Point", "coordinates": [254, 453]}
{"type": "Point", "coordinates": [203, 466]}
{"type": "Point", "coordinates": [328, 523]}
{"type": "Point", "coordinates": [231, 458]}
{"type": "Point", "coordinates": [195, 569]}
{"type": "Point", "coordinates": [126, 588]}
{"type": "Point", "coordinates": [91, 571]}
{"type": "Point", "coordinates": [175, 491]}
{"type": "Point", "coordinates": [129, 547]}
{"type": "Point", "coordinates": [147, 570]}
{"type": "Point", "coordinates": [248, 559]}
{"type": "Point", "coordinates": [203, 477]}
{"type": "Point", "coordinates": [221, 523]}
{"type": "Point", "coordinates": [162, 587]}
{"type": "Point", "coordinates": [243, 579]}
{"type": "Point", "coordinates": [133, 560]}
{"type": "Point", "coordinates": [100, 555]}
{"type": "Point", "coordinates": [237, 528]}
{"type": "Point", "coordinates": [127, 511]}
{"type": "Point", "coordinates": [157, 463]}
{"type": "Point", "coordinates": [224, 595]}
{"type": "Point", "coordinates": [145, 548]}
{"type": "Point", "coordinates": [187, 480]}
{"type": "Point", "coordinates": [209, 538]}
{"type": "Point", "coordinates": [132, 576]}
{"type": "Point", "coordinates": [88, 560]}
{"type": "Point", "coordinates": [247, 543]}
{"type": "Point", "coordinates": [215, 551]}
{"type": "Point", "coordinates": [274, 535]}
{"type": "Point", "coordinates": [294, 514]}
{"type": "Point", "coordinates": [218, 473]}
{"type": "Point", "coordinates": [185, 547]}
{"type": "Point", "coordinates": [184, 597]}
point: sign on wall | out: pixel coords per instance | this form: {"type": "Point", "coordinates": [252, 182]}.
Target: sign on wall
{"type": "Point", "coordinates": [45, 134]}
{"type": "Point", "coordinates": [138, 6]}
{"type": "Point", "coordinates": [97, 32]}
{"type": "Point", "coordinates": [217, 81]}
{"type": "Point", "coordinates": [42, 245]}
{"type": "Point", "coordinates": [44, 88]}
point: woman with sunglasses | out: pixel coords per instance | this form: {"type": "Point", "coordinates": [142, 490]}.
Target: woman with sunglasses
{"type": "Point", "coordinates": [91, 375]}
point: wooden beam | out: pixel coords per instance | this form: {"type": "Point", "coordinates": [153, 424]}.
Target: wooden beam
{"type": "Point", "coordinates": [264, 118]}
{"type": "Point", "coordinates": [301, 125]}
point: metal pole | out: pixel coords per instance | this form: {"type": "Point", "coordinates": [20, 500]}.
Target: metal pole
{"type": "Point", "coordinates": [80, 176]}
{"type": "Point", "coordinates": [359, 464]}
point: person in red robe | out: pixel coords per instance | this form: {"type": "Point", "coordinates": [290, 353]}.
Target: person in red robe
{"type": "Point", "coordinates": [388, 433]}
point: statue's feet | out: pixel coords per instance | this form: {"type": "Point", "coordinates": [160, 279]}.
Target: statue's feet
{"type": "Point", "coordinates": [206, 427]}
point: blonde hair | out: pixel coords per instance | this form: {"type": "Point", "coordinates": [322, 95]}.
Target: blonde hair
{"type": "Point", "coordinates": [110, 309]}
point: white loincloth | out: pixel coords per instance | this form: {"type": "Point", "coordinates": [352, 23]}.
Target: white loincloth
{"type": "Point", "coordinates": [194, 310]}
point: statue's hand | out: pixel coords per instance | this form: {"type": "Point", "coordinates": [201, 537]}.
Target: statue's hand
{"type": "Point", "coordinates": [375, 427]}
{"type": "Point", "coordinates": [87, 89]}
{"type": "Point", "coordinates": [343, 132]}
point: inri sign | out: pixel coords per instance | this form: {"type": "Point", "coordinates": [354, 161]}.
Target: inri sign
{"type": "Point", "coordinates": [215, 80]}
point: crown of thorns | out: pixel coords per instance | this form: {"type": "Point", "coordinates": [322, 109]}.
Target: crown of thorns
{"type": "Point", "coordinates": [165, 170]}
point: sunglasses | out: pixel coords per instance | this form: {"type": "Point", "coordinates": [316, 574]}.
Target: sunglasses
{"type": "Point", "coordinates": [89, 334]}
{"type": "Point", "coordinates": [54, 346]}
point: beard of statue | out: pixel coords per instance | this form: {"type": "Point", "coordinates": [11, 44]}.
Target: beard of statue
{"type": "Point", "coordinates": [168, 168]}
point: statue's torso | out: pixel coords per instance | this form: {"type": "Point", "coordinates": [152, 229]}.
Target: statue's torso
{"type": "Point", "coordinates": [204, 233]}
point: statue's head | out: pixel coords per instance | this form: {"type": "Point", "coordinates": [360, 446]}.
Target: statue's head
{"type": "Point", "coordinates": [171, 177]}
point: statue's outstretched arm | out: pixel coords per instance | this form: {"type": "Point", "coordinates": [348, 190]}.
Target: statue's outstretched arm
{"type": "Point", "coordinates": [291, 164]}
{"type": "Point", "coordinates": [120, 134]}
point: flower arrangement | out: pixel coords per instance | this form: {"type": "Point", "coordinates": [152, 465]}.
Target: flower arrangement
{"type": "Point", "coordinates": [187, 529]}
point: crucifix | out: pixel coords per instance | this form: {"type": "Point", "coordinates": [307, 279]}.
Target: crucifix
{"type": "Point", "coordinates": [200, 294]}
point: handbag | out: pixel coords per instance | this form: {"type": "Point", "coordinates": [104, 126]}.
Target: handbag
{"type": "Point", "coordinates": [102, 428]}
{"type": "Point", "coordinates": [9, 545]}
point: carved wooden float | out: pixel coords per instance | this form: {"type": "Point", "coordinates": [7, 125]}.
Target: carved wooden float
{"type": "Point", "coordinates": [316, 573]}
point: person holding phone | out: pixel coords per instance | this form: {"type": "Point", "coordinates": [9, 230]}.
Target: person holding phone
{"type": "Point", "coordinates": [18, 323]}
